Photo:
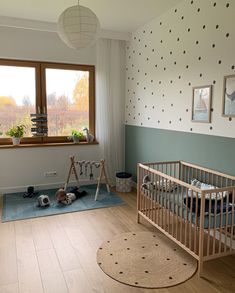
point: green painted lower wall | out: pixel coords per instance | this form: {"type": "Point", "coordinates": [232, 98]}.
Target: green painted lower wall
{"type": "Point", "coordinates": [152, 145]}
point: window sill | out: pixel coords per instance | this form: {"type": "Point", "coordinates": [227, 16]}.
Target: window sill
{"type": "Point", "coordinates": [56, 144]}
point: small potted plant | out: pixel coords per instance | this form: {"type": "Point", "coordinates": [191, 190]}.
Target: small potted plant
{"type": "Point", "coordinates": [77, 136]}
{"type": "Point", "coordinates": [16, 132]}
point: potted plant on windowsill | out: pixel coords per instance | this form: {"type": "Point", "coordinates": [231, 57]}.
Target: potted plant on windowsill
{"type": "Point", "coordinates": [16, 132]}
{"type": "Point", "coordinates": [77, 136]}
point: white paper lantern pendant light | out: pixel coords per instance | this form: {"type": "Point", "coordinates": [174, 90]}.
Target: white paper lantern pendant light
{"type": "Point", "coordinates": [78, 27]}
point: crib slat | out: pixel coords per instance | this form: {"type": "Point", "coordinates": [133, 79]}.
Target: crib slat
{"type": "Point", "coordinates": [215, 218]}
{"type": "Point", "coordinates": [232, 226]}
{"type": "Point", "coordinates": [221, 225]}
{"type": "Point", "coordinates": [209, 226]}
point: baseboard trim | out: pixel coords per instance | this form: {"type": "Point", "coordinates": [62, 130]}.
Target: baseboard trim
{"type": "Point", "coordinates": [38, 187]}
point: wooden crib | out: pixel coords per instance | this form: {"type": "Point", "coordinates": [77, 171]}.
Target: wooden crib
{"type": "Point", "coordinates": [200, 220]}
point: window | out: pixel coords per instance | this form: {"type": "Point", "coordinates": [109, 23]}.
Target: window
{"type": "Point", "coordinates": [65, 92]}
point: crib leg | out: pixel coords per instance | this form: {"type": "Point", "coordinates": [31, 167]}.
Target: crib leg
{"type": "Point", "coordinates": [138, 218]}
{"type": "Point", "coordinates": [200, 268]}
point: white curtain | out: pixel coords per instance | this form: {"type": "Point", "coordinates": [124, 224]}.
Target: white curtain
{"type": "Point", "coordinates": [110, 100]}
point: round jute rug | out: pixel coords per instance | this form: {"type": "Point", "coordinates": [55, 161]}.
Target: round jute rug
{"type": "Point", "coordinates": [144, 259]}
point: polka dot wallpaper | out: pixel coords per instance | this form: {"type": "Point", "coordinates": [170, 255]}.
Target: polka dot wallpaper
{"type": "Point", "coordinates": [191, 45]}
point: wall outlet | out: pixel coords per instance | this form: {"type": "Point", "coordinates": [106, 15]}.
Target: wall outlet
{"type": "Point", "coordinates": [50, 174]}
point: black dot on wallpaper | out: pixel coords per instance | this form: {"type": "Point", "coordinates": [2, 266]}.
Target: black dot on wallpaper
{"type": "Point", "coordinates": [212, 109]}
{"type": "Point", "coordinates": [175, 10]}
{"type": "Point", "coordinates": [189, 83]}
{"type": "Point", "coordinates": [138, 114]}
{"type": "Point", "coordinates": [171, 81]}
{"type": "Point", "coordinates": [162, 58]}
{"type": "Point", "coordinates": [152, 93]}
{"type": "Point", "coordinates": [129, 57]}
{"type": "Point", "coordinates": [184, 52]}
{"type": "Point", "coordinates": [230, 119]}
{"type": "Point", "coordinates": [180, 92]}
{"type": "Point", "coordinates": [160, 23]}
{"type": "Point", "coordinates": [211, 128]}
{"type": "Point", "coordinates": [153, 50]}
{"type": "Point", "coordinates": [186, 110]}
{"type": "Point", "coordinates": [188, 29]}
{"type": "Point", "coordinates": [128, 48]}
{"type": "Point", "coordinates": [145, 106]}
{"type": "Point", "coordinates": [130, 101]}
{"type": "Point", "coordinates": [169, 122]}
{"type": "Point", "coordinates": [227, 5]}
{"type": "Point", "coordinates": [151, 32]}
{"type": "Point", "coordinates": [169, 31]}
{"type": "Point", "coordinates": [151, 80]}
{"type": "Point", "coordinates": [213, 45]}
{"type": "Point", "coordinates": [171, 105]}
{"type": "Point", "coordinates": [138, 70]}
{"type": "Point", "coordinates": [217, 26]}
{"type": "Point", "coordinates": [232, 67]}
{"type": "Point", "coordinates": [132, 65]}
{"type": "Point", "coordinates": [161, 41]}
{"type": "Point", "coordinates": [129, 114]}
{"type": "Point", "coordinates": [145, 46]}
{"type": "Point", "coordinates": [144, 88]}
{"type": "Point", "coordinates": [159, 82]}
{"type": "Point", "coordinates": [143, 32]}
{"type": "Point", "coordinates": [214, 4]}
{"type": "Point", "coordinates": [180, 119]}
{"type": "Point", "coordinates": [163, 95]}
{"type": "Point", "coordinates": [153, 107]}
{"type": "Point", "coordinates": [139, 54]}
{"type": "Point", "coordinates": [147, 59]}
{"type": "Point", "coordinates": [128, 77]}
{"type": "Point", "coordinates": [191, 2]}
{"type": "Point", "coordinates": [200, 74]}
{"type": "Point", "coordinates": [191, 129]}
{"type": "Point", "coordinates": [178, 39]}
{"type": "Point", "coordinates": [182, 17]}
{"type": "Point", "coordinates": [158, 121]}
{"type": "Point", "coordinates": [162, 110]}
{"type": "Point", "coordinates": [134, 38]}
{"type": "Point", "coordinates": [132, 78]}
{"type": "Point", "coordinates": [187, 66]}
{"type": "Point", "coordinates": [197, 42]}
{"type": "Point", "coordinates": [164, 68]}
{"type": "Point", "coordinates": [148, 118]}
{"type": "Point", "coordinates": [141, 123]}
{"type": "Point", "coordinates": [214, 81]}
{"type": "Point", "coordinates": [204, 26]}
{"type": "Point", "coordinates": [133, 93]}
{"type": "Point", "coordinates": [128, 90]}
{"type": "Point", "coordinates": [156, 65]}
{"type": "Point", "coordinates": [134, 118]}
{"type": "Point", "coordinates": [219, 62]}
{"type": "Point", "coordinates": [138, 99]}
{"type": "Point", "coordinates": [227, 35]}
{"type": "Point", "coordinates": [170, 52]}
{"type": "Point", "coordinates": [126, 106]}
{"type": "Point", "coordinates": [137, 83]}
{"type": "Point", "coordinates": [179, 77]}
{"type": "Point", "coordinates": [199, 58]}
{"type": "Point", "coordinates": [175, 63]}
{"type": "Point", "coordinates": [145, 73]}
{"type": "Point", "coordinates": [198, 10]}
{"type": "Point", "coordinates": [133, 107]}
{"type": "Point", "coordinates": [139, 40]}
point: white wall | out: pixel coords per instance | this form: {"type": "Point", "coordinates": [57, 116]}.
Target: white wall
{"type": "Point", "coordinates": [163, 65]}
{"type": "Point", "coordinates": [26, 166]}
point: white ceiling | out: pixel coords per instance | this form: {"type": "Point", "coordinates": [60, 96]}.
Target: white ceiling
{"type": "Point", "coordinates": [115, 15]}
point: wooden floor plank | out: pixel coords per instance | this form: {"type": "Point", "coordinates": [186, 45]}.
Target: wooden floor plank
{"type": "Point", "coordinates": [52, 276]}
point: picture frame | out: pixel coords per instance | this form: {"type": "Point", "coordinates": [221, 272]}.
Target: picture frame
{"type": "Point", "coordinates": [228, 107]}
{"type": "Point", "coordinates": [201, 104]}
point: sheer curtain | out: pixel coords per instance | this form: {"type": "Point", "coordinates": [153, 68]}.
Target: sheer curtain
{"type": "Point", "coordinates": [110, 100]}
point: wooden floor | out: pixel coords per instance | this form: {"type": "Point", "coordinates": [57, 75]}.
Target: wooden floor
{"type": "Point", "coordinates": [58, 254]}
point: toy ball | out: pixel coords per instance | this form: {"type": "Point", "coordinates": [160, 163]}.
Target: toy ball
{"type": "Point", "coordinates": [43, 200]}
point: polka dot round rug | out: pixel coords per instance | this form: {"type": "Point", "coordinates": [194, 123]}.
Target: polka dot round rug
{"type": "Point", "coordinates": [144, 259]}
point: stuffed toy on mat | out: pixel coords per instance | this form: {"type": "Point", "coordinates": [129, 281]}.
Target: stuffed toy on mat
{"type": "Point", "coordinates": [68, 198]}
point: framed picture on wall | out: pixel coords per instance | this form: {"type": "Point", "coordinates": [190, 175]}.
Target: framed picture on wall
{"type": "Point", "coordinates": [229, 96]}
{"type": "Point", "coordinates": [201, 104]}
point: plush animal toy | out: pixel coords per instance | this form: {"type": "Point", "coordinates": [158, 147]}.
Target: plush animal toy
{"type": "Point", "coordinates": [68, 198]}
